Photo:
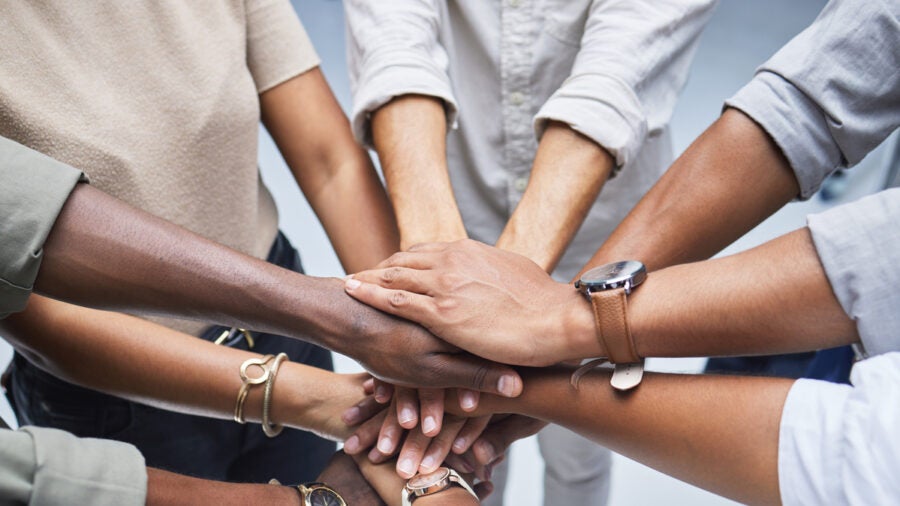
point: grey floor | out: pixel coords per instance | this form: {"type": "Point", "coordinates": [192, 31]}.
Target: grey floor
{"type": "Point", "coordinates": [740, 37]}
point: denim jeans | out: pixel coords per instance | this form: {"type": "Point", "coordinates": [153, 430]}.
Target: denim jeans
{"type": "Point", "coordinates": [186, 444]}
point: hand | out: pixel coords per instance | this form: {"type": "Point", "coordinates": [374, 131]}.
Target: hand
{"type": "Point", "coordinates": [493, 303]}
{"type": "Point", "coordinates": [403, 353]}
{"type": "Point", "coordinates": [490, 447]}
{"type": "Point", "coordinates": [342, 475]}
{"type": "Point", "coordinates": [342, 401]}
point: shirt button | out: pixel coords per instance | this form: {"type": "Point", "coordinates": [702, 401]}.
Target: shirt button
{"type": "Point", "coordinates": [516, 98]}
{"type": "Point", "coordinates": [520, 184]}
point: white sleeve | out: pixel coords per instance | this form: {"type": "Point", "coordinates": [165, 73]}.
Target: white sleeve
{"type": "Point", "coordinates": [393, 49]}
{"type": "Point", "coordinates": [633, 62]}
{"type": "Point", "coordinates": [840, 444]}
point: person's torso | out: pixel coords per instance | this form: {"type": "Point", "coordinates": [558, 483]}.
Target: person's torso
{"type": "Point", "coordinates": [506, 59]}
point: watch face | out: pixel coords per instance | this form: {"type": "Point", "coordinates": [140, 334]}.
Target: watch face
{"type": "Point", "coordinates": [614, 275]}
{"type": "Point", "coordinates": [324, 497]}
{"type": "Point", "coordinates": [423, 481]}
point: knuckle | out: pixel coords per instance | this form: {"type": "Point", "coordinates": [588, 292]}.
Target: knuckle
{"type": "Point", "coordinates": [390, 274]}
{"type": "Point", "coordinates": [398, 299]}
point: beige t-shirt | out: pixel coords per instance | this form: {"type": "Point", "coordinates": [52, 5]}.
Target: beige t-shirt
{"type": "Point", "coordinates": [156, 100]}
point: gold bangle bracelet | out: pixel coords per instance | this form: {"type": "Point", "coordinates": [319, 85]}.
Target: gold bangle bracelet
{"type": "Point", "coordinates": [248, 382]}
{"type": "Point", "coordinates": [269, 428]}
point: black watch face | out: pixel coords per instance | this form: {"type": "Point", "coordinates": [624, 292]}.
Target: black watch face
{"type": "Point", "coordinates": [324, 497]}
{"type": "Point", "coordinates": [614, 275]}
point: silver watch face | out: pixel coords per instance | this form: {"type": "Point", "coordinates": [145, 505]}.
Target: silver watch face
{"type": "Point", "coordinates": [613, 275]}
{"type": "Point", "coordinates": [424, 481]}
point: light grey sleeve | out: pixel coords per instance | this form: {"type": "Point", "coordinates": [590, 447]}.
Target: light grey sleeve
{"type": "Point", "coordinates": [50, 467]}
{"type": "Point", "coordinates": [33, 189]}
{"type": "Point", "coordinates": [832, 94]}
{"type": "Point", "coordinates": [859, 247]}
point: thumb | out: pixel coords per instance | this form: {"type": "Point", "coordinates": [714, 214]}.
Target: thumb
{"type": "Point", "coordinates": [463, 370]}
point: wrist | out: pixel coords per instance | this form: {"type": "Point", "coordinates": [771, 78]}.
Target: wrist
{"type": "Point", "coordinates": [579, 336]}
{"type": "Point", "coordinates": [455, 496]}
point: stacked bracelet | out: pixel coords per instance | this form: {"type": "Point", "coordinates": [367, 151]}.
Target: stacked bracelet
{"type": "Point", "coordinates": [249, 382]}
{"type": "Point", "coordinates": [268, 427]}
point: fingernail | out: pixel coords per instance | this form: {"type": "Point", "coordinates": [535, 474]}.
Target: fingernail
{"type": "Point", "coordinates": [352, 284]}
{"type": "Point", "coordinates": [465, 467]}
{"type": "Point", "coordinates": [507, 385]}
{"type": "Point", "coordinates": [406, 415]}
{"type": "Point", "coordinates": [375, 455]}
{"type": "Point", "coordinates": [467, 400]}
{"type": "Point", "coordinates": [429, 425]}
{"type": "Point", "coordinates": [351, 416]}
{"type": "Point", "coordinates": [384, 445]}
{"type": "Point", "coordinates": [381, 394]}
{"type": "Point", "coordinates": [427, 464]}
{"type": "Point", "coordinates": [406, 467]}
{"type": "Point", "coordinates": [460, 444]}
{"type": "Point", "coordinates": [351, 445]}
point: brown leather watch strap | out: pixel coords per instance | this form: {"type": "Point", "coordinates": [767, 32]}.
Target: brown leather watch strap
{"type": "Point", "coordinates": [613, 332]}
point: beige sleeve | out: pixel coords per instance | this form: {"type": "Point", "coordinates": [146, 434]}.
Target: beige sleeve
{"type": "Point", "coordinates": [51, 467]}
{"type": "Point", "coordinates": [278, 47]}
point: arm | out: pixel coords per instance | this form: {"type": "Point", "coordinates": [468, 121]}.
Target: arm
{"type": "Point", "coordinates": [742, 304]}
{"type": "Point", "coordinates": [402, 105]}
{"type": "Point", "coordinates": [104, 253]}
{"type": "Point", "coordinates": [170, 489]}
{"type": "Point", "coordinates": [145, 362]}
{"type": "Point", "coordinates": [569, 171]}
{"type": "Point", "coordinates": [719, 433]}
{"type": "Point", "coordinates": [410, 137]}
{"type": "Point", "coordinates": [623, 86]}
{"type": "Point", "coordinates": [334, 172]}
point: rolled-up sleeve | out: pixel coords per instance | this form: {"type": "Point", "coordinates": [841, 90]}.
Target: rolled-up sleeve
{"type": "Point", "coordinates": [633, 62]}
{"type": "Point", "coordinates": [33, 190]}
{"type": "Point", "coordinates": [859, 247]}
{"type": "Point", "coordinates": [832, 94]}
{"type": "Point", "coordinates": [394, 49]}
{"type": "Point", "coordinates": [278, 47]}
{"type": "Point", "coordinates": [839, 444]}
{"type": "Point", "coordinates": [41, 466]}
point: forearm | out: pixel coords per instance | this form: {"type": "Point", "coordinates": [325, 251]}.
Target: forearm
{"type": "Point", "coordinates": [409, 134]}
{"type": "Point", "coordinates": [719, 433]}
{"type": "Point", "coordinates": [103, 253]}
{"type": "Point", "coordinates": [727, 182]}
{"type": "Point", "coordinates": [170, 489]}
{"type": "Point", "coordinates": [569, 171]}
{"type": "Point", "coordinates": [144, 362]}
{"type": "Point", "coordinates": [334, 172]}
{"type": "Point", "coordinates": [774, 298]}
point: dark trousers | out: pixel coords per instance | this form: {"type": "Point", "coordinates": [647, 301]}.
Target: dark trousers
{"type": "Point", "coordinates": [830, 365]}
{"type": "Point", "coordinates": [193, 445]}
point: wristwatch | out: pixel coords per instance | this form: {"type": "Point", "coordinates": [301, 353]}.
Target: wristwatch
{"type": "Point", "coordinates": [607, 288]}
{"type": "Point", "coordinates": [432, 483]}
{"type": "Point", "coordinates": [319, 494]}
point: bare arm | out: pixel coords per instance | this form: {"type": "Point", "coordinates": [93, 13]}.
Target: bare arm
{"type": "Point", "coordinates": [170, 489]}
{"type": "Point", "coordinates": [728, 181]}
{"type": "Point", "coordinates": [104, 253]}
{"type": "Point", "coordinates": [409, 134]}
{"type": "Point", "coordinates": [145, 362]}
{"type": "Point", "coordinates": [719, 433]}
{"type": "Point", "coordinates": [334, 172]}
{"type": "Point", "coordinates": [772, 299]}
{"type": "Point", "coordinates": [569, 171]}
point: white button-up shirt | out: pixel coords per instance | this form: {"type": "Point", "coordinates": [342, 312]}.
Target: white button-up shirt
{"type": "Point", "coordinates": [610, 69]}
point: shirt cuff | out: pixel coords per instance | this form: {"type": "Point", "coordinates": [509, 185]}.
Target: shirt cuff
{"type": "Point", "coordinates": [809, 441]}
{"type": "Point", "coordinates": [35, 188]}
{"type": "Point", "coordinates": [71, 470]}
{"type": "Point", "coordinates": [408, 74]}
{"type": "Point", "coordinates": [796, 124]}
{"type": "Point", "coordinates": [602, 108]}
{"type": "Point", "coordinates": [857, 245]}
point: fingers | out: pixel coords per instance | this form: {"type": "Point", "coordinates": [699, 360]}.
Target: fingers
{"type": "Point", "coordinates": [383, 391]}
{"type": "Point", "coordinates": [439, 446]}
{"type": "Point", "coordinates": [468, 399]}
{"type": "Point", "coordinates": [412, 452]}
{"type": "Point", "coordinates": [462, 370]}
{"type": "Point", "coordinates": [389, 438]}
{"type": "Point", "coordinates": [419, 256]}
{"type": "Point", "coordinates": [483, 489]}
{"type": "Point", "coordinates": [407, 406]}
{"type": "Point", "coordinates": [366, 434]}
{"type": "Point", "coordinates": [361, 411]}
{"type": "Point", "coordinates": [431, 404]}
{"type": "Point", "coordinates": [470, 432]}
{"type": "Point", "coordinates": [408, 305]}
{"type": "Point", "coordinates": [497, 437]}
